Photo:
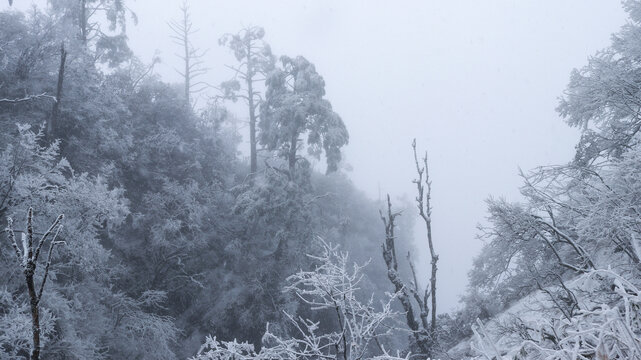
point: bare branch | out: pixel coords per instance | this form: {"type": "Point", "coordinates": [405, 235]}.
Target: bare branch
{"type": "Point", "coordinates": [46, 234]}
{"type": "Point", "coordinates": [48, 264]}
{"type": "Point", "coordinates": [419, 330]}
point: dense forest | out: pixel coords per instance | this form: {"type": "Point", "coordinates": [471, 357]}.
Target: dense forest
{"type": "Point", "coordinates": [136, 228]}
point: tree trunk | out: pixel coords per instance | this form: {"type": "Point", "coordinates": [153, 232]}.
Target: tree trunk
{"type": "Point", "coordinates": [423, 202]}
{"type": "Point", "coordinates": [389, 255]}
{"type": "Point", "coordinates": [187, 63]}
{"type": "Point", "coordinates": [428, 225]}
{"type": "Point", "coordinates": [28, 260]}
{"type": "Point", "coordinates": [52, 124]}
{"type": "Point", "coordinates": [35, 315]}
{"type": "Point", "coordinates": [433, 288]}
{"type": "Point", "coordinates": [83, 21]}
{"type": "Point", "coordinates": [252, 115]}
{"type": "Point", "coordinates": [293, 144]}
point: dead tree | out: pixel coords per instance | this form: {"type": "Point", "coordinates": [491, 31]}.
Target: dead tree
{"type": "Point", "coordinates": [423, 202]}
{"type": "Point", "coordinates": [191, 56]}
{"type": "Point", "coordinates": [424, 330]}
{"type": "Point", "coordinates": [419, 327]}
{"type": "Point", "coordinates": [28, 260]}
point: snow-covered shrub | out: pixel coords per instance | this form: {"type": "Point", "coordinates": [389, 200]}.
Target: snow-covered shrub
{"type": "Point", "coordinates": [332, 285]}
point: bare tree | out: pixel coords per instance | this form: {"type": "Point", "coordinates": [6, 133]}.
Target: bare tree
{"type": "Point", "coordinates": [28, 259]}
{"type": "Point", "coordinates": [192, 57]}
{"type": "Point", "coordinates": [419, 327]}
{"type": "Point", "coordinates": [423, 329]}
{"type": "Point", "coordinates": [423, 202]}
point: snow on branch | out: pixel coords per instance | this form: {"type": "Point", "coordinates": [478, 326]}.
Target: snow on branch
{"type": "Point", "coordinates": [28, 260]}
{"type": "Point", "coordinates": [27, 98]}
{"type": "Point", "coordinates": [333, 285]}
{"type": "Point", "coordinates": [606, 330]}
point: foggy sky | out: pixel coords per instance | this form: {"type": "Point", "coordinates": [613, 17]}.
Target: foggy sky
{"type": "Point", "coordinates": [475, 82]}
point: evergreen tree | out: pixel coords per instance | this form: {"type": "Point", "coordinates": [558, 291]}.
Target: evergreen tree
{"type": "Point", "coordinates": [294, 107]}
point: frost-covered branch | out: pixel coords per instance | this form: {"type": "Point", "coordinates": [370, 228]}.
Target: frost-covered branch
{"type": "Point", "coordinates": [424, 204]}
{"type": "Point", "coordinates": [420, 331]}
{"type": "Point", "coordinates": [333, 285]}
{"type": "Point", "coordinates": [607, 330]}
{"type": "Point", "coordinates": [27, 98]}
{"type": "Point", "coordinates": [28, 260]}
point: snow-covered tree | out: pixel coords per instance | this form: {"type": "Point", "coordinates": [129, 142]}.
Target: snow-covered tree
{"type": "Point", "coordinates": [255, 62]}
{"type": "Point", "coordinates": [88, 18]}
{"type": "Point", "coordinates": [572, 245]}
{"type": "Point", "coordinates": [27, 257]}
{"type": "Point", "coordinates": [602, 98]}
{"type": "Point", "coordinates": [295, 106]}
{"type": "Point", "coordinates": [80, 299]}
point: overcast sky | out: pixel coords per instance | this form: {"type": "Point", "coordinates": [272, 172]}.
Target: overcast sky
{"type": "Point", "coordinates": [475, 82]}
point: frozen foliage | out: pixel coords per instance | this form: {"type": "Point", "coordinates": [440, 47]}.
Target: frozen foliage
{"type": "Point", "coordinates": [333, 285]}
{"type": "Point", "coordinates": [603, 96]}
{"type": "Point", "coordinates": [574, 248]}
{"type": "Point", "coordinates": [601, 330]}
{"type": "Point", "coordinates": [282, 350]}
{"type": "Point", "coordinates": [15, 326]}
{"type": "Point", "coordinates": [82, 316]}
{"type": "Point", "coordinates": [295, 106]}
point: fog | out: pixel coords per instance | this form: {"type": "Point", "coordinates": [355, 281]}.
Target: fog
{"type": "Point", "coordinates": [241, 209]}
{"type": "Point", "coordinates": [475, 82]}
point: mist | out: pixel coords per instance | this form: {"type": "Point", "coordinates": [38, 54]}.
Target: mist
{"type": "Point", "coordinates": [475, 83]}
{"type": "Point", "coordinates": [170, 234]}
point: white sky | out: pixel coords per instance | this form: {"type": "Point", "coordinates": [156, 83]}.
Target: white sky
{"type": "Point", "coordinates": [476, 82]}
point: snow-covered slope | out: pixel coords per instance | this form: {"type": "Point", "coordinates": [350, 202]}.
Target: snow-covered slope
{"type": "Point", "coordinates": [605, 320]}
